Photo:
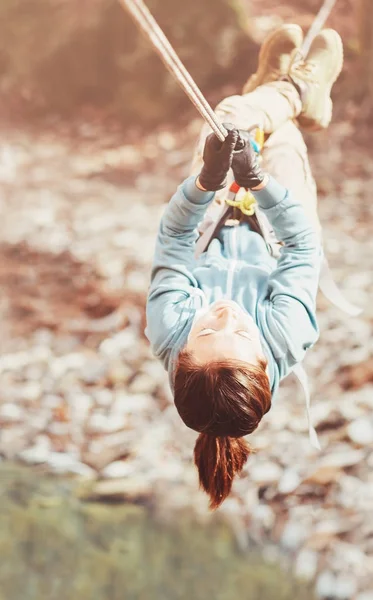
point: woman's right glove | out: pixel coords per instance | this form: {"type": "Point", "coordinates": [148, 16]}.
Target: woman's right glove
{"type": "Point", "coordinates": [217, 158]}
{"type": "Point", "coordinates": [245, 165]}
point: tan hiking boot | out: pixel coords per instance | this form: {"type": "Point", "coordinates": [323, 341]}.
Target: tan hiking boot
{"type": "Point", "coordinates": [314, 79]}
{"type": "Point", "coordinates": [275, 56]}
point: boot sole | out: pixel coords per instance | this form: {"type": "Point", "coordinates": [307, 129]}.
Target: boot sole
{"type": "Point", "coordinates": [253, 81]}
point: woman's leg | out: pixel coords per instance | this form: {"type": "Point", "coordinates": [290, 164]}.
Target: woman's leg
{"type": "Point", "coordinates": [285, 157]}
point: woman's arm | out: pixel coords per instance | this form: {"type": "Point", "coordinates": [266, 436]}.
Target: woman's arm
{"type": "Point", "coordinates": [172, 278]}
{"type": "Point", "coordinates": [173, 265]}
{"type": "Point", "coordinates": [292, 286]}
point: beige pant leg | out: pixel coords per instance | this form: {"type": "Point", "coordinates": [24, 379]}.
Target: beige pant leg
{"type": "Point", "coordinates": [285, 157]}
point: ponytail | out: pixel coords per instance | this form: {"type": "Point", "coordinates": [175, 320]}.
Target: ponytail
{"type": "Point", "coordinates": [218, 460]}
{"type": "Point", "coordinates": [224, 401]}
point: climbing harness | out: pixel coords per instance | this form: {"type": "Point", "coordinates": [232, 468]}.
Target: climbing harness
{"type": "Point", "coordinates": [234, 204]}
{"type": "Point", "coordinates": [246, 204]}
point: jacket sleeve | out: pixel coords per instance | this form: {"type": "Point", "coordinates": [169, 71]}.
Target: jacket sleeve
{"type": "Point", "coordinates": [293, 285]}
{"type": "Point", "coordinates": [172, 276]}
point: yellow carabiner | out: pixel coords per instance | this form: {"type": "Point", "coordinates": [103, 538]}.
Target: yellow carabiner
{"type": "Point", "coordinates": [259, 137]}
{"type": "Point", "coordinates": [246, 204]}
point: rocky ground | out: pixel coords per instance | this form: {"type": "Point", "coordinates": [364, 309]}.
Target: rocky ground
{"type": "Point", "coordinates": [81, 393]}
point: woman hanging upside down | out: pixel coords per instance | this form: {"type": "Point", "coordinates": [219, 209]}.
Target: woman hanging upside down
{"type": "Point", "coordinates": [232, 323]}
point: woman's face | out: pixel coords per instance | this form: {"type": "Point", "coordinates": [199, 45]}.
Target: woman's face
{"type": "Point", "coordinates": [225, 331]}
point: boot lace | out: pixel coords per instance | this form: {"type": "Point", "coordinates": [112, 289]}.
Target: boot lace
{"type": "Point", "coordinates": [302, 68]}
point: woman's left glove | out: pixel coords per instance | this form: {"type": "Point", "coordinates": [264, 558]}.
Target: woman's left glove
{"type": "Point", "coordinates": [246, 168]}
{"type": "Point", "coordinates": [217, 158]}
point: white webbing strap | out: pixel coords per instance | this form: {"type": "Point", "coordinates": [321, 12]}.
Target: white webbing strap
{"type": "Point", "coordinates": [333, 293]}
{"type": "Point", "coordinates": [206, 237]}
{"type": "Point", "coordinates": [301, 375]}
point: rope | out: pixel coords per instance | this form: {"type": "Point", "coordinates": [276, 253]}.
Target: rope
{"type": "Point", "coordinates": [143, 18]}
{"type": "Point", "coordinates": [317, 25]}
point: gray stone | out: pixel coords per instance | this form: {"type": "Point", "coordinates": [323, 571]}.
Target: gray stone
{"type": "Point", "coordinates": [346, 587]}
{"type": "Point", "coordinates": [103, 397]}
{"type": "Point", "coordinates": [265, 473]}
{"type": "Point", "coordinates": [38, 453]}
{"type": "Point", "coordinates": [306, 564]}
{"type": "Point", "coordinates": [264, 515]}
{"type": "Point", "coordinates": [11, 413]}
{"type": "Point", "coordinates": [51, 401]}
{"type": "Point", "coordinates": [289, 482]}
{"type": "Point", "coordinates": [129, 488]}
{"type": "Point", "coordinates": [133, 403]}
{"type": "Point", "coordinates": [93, 371]}
{"type": "Point", "coordinates": [125, 341]}
{"type": "Point", "coordinates": [13, 362]}
{"type": "Point", "coordinates": [119, 373]}
{"type": "Point", "coordinates": [59, 428]}
{"type": "Point", "coordinates": [330, 467]}
{"type": "Point", "coordinates": [326, 585]}
{"type": "Point", "coordinates": [13, 441]}
{"type": "Point", "coordinates": [142, 384]}
{"type": "Point", "coordinates": [367, 595]}
{"type": "Point", "coordinates": [155, 370]}
{"type": "Point", "coordinates": [63, 463]}
{"type": "Point", "coordinates": [293, 535]}
{"type": "Point", "coordinates": [361, 432]}
{"type": "Point", "coordinates": [80, 406]}
{"type": "Point", "coordinates": [99, 423]}
{"type": "Point", "coordinates": [137, 282]}
{"type": "Point", "coordinates": [74, 360]}
{"type": "Point", "coordinates": [119, 469]}
{"type": "Point", "coordinates": [39, 420]}
{"type": "Point", "coordinates": [344, 458]}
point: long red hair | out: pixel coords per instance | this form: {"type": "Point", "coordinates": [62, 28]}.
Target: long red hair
{"type": "Point", "coordinates": [223, 401]}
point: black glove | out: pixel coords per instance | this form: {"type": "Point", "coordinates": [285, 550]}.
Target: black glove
{"type": "Point", "coordinates": [217, 158]}
{"type": "Point", "coordinates": [245, 165]}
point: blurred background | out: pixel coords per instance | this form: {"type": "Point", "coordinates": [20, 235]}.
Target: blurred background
{"type": "Point", "coordinates": [99, 494]}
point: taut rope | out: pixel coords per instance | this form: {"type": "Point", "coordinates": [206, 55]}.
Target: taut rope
{"type": "Point", "coordinates": [160, 43]}
{"type": "Point", "coordinates": [317, 25]}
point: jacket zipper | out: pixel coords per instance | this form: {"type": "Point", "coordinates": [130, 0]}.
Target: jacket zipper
{"type": "Point", "coordinates": [232, 266]}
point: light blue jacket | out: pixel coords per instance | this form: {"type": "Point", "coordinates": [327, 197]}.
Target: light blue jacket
{"type": "Point", "coordinates": [279, 294]}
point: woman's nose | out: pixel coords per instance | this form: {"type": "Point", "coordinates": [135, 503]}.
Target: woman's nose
{"type": "Point", "coordinates": [226, 316]}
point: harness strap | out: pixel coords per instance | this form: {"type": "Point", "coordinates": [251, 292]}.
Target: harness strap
{"type": "Point", "coordinates": [302, 377]}
{"type": "Point", "coordinates": [331, 291]}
